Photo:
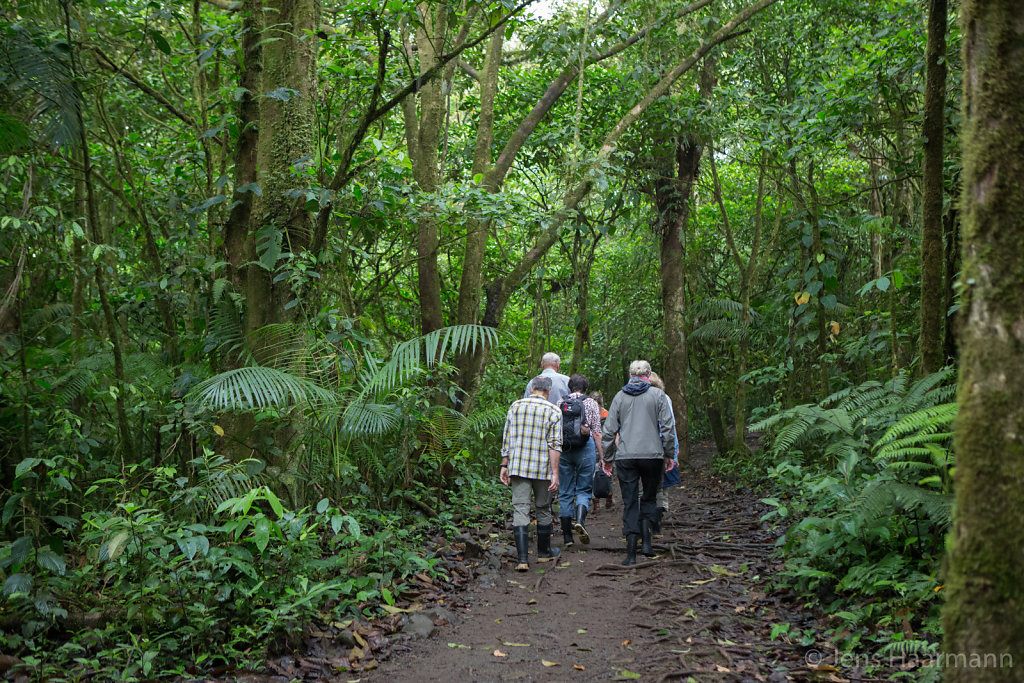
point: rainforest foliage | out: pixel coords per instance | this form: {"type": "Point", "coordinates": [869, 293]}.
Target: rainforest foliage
{"type": "Point", "coordinates": [273, 270]}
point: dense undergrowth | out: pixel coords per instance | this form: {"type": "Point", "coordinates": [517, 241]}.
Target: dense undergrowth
{"type": "Point", "coordinates": [184, 572]}
{"type": "Point", "coordinates": [860, 483]}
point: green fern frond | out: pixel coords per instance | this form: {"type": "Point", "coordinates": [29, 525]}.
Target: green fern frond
{"type": "Point", "coordinates": [926, 423]}
{"type": "Point", "coordinates": [73, 384]}
{"type": "Point", "coordinates": [918, 394]}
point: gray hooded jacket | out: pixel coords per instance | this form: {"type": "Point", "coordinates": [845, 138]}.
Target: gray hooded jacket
{"type": "Point", "coordinates": [641, 416]}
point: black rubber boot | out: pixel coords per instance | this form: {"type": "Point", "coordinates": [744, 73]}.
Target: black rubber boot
{"type": "Point", "coordinates": [522, 535]}
{"type": "Point", "coordinates": [645, 527]}
{"type": "Point", "coordinates": [631, 540]}
{"type": "Point", "coordinates": [656, 525]}
{"type": "Point", "coordinates": [544, 550]}
{"type": "Point", "coordinates": [566, 523]}
{"type": "Point", "coordinates": [578, 527]}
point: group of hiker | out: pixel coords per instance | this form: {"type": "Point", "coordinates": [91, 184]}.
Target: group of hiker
{"type": "Point", "coordinates": [558, 440]}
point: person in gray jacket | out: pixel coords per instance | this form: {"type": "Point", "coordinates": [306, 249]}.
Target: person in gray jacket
{"type": "Point", "coordinates": [641, 417]}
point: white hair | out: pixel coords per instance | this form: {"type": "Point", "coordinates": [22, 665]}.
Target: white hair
{"type": "Point", "coordinates": [551, 359]}
{"type": "Point", "coordinates": [640, 368]}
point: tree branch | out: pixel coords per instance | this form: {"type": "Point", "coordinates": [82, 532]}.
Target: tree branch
{"type": "Point", "coordinates": [107, 63]}
{"type": "Point", "coordinates": [572, 199]}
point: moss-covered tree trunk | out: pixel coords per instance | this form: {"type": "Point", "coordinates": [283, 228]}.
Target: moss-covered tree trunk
{"type": "Point", "coordinates": [930, 341]}
{"type": "Point", "coordinates": [984, 612]}
{"type": "Point", "coordinates": [287, 139]}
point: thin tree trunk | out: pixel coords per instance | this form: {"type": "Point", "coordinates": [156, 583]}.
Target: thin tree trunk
{"type": "Point", "coordinates": [96, 232]}
{"type": "Point", "coordinates": [673, 188]}
{"type": "Point", "coordinates": [932, 313]}
{"type": "Point", "coordinates": [951, 227]}
{"type": "Point", "coordinates": [984, 611]}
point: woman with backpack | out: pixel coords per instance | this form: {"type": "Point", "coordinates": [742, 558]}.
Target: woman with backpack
{"type": "Point", "coordinates": [581, 448]}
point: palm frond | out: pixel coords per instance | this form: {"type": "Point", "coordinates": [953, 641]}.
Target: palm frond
{"type": "Point", "coordinates": [256, 387]}
{"type": "Point", "coordinates": [41, 70]}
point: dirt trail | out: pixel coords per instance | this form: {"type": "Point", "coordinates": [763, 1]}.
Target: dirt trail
{"type": "Point", "coordinates": [700, 610]}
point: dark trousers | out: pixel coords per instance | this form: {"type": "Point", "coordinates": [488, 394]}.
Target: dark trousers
{"type": "Point", "coordinates": [639, 476]}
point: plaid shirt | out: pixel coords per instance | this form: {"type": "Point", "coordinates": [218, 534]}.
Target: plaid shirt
{"type": "Point", "coordinates": [532, 427]}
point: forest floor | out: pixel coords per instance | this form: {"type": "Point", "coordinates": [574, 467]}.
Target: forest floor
{"type": "Point", "coordinates": [701, 610]}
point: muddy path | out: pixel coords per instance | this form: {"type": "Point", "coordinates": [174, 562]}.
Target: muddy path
{"type": "Point", "coordinates": [701, 610]}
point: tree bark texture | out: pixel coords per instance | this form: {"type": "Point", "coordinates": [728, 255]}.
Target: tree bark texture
{"type": "Point", "coordinates": [673, 187]}
{"type": "Point", "coordinates": [430, 42]}
{"type": "Point", "coordinates": [984, 611]}
{"type": "Point", "coordinates": [236, 229]}
{"type": "Point", "coordinates": [932, 310]}
{"type": "Point", "coordinates": [287, 139]}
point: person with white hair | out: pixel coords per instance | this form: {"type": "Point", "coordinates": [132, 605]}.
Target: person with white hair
{"type": "Point", "coordinates": [530, 449]}
{"type": "Point", "coordinates": [641, 418]}
{"type": "Point", "coordinates": [549, 364]}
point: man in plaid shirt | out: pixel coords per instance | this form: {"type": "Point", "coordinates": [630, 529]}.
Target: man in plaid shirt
{"type": "Point", "coordinates": [530, 450]}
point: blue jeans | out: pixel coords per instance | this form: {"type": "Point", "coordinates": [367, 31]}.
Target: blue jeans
{"type": "Point", "coordinates": [576, 478]}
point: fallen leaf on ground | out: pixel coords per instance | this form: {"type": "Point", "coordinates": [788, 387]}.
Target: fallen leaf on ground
{"type": "Point", "coordinates": [547, 663]}
{"type": "Point", "coordinates": [581, 630]}
{"type": "Point", "coordinates": [579, 667]}
{"type": "Point", "coordinates": [370, 665]}
{"type": "Point", "coordinates": [626, 675]}
{"type": "Point", "coordinates": [531, 601]}
{"type": "Point", "coordinates": [722, 669]}
{"type": "Point", "coordinates": [458, 645]}
{"type": "Point", "coordinates": [515, 644]}
{"type": "Point", "coordinates": [499, 653]}
{"type": "Point", "coordinates": [626, 642]}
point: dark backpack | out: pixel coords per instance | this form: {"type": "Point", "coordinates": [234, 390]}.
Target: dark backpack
{"type": "Point", "coordinates": [573, 418]}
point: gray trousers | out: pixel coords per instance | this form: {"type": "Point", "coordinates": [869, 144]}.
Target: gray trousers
{"type": "Point", "coordinates": [522, 490]}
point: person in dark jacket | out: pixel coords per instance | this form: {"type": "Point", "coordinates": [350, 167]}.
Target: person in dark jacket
{"type": "Point", "coordinates": [642, 419]}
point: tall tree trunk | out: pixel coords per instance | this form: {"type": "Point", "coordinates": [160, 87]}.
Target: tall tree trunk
{"type": "Point", "coordinates": [287, 136]}
{"type": "Point", "coordinates": [430, 42]}
{"type": "Point", "coordinates": [984, 610]}
{"type": "Point", "coordinates": [235, 235]}
{"type": "Point", "coordinates": [674, 179]}
{"type": "Point", "coordinates": [932, 311]}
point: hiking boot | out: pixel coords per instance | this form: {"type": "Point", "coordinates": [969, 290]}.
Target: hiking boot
{"type": "Point", "coordinates": [645, 527]}
{"type": "Point", "coordinates": [630, 550]}
{"type": "Point", "coordinates": [608, 501]}
{"type": "Point", "coordinates": [566, 523]}
{"type": "Point", "coordinates": [522, 536]}
{"type": "Point", "coordinates": [656, 525]}
{"type": "Point", "coordinates": [544, 550]}
{"type": "Point", "coordinates": [581, 517]}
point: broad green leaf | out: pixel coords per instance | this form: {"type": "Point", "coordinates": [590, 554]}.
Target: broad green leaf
{"type": "Point", "coordinates": [25, 465]}
{"type": "Point", "coordinates": [17, 583]}
{"type": "Point", "coordinates": [51, 561]}
{"type": "Point", "coordinates": [275, 502]}
{"type": "Point", "coordinates": [261, 533]}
